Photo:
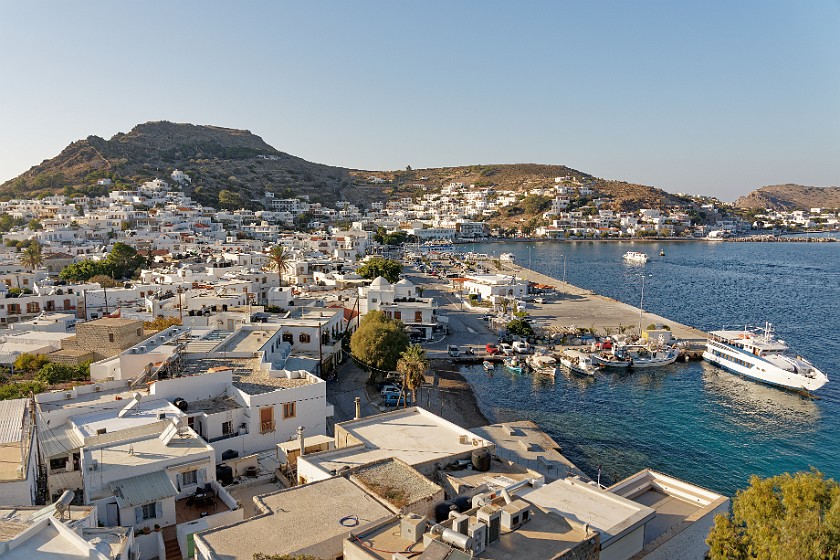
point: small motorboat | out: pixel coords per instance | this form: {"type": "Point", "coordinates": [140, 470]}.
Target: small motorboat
{"type": "Point", "coordinates": [542, 364]}
{"type": "Point", "coordinates": [513, 365]}
{"type": "Point", "coordinates": [488, 366]}
{"type": "Point", "coordinates": [578, 362]}
{"type": "Point", "coordinates": [662, 253]}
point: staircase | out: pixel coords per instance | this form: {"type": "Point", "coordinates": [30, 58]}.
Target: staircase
{"type": "Point", "coordinates": [173, 551]}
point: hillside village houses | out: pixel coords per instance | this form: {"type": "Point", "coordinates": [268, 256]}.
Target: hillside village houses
{"type": "Point", "coordinates": [175, 423]}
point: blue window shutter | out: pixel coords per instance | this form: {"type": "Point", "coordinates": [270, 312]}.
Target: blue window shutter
{"type": "Point", "coordinates": [138, 514]}
{"type": "Point", "coordinates": [158, 509]}
{"type": "Point", "coordinates": [201, 476]}
{"type": "Point", "coordinates": [179, 481]}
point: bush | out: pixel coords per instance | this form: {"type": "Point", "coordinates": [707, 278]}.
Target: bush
{"type": "Point", "coordinates": [20, 390]}
{"type": "Point", "coordinates": [520, 327]}
{"type": "Point", "coordinates": [57, 373]}
{"type": "Point", "coordinates": [30, 362]}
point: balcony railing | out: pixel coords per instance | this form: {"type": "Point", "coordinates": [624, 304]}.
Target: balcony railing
{"type": "Point", "coordinates": [266, 427]}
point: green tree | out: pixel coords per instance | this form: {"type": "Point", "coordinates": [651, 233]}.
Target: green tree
{"type": "Point", "coordinates": [83, 270]}
{"type": "Point", "coordinates": [20, 390]}
{"type": "Point", "coordinates": [104, 280]}
{"type": "Point", "coordinates": [780, 518]}
{"type": "Point", "coordinates": [413, 365]}
{"type": "Point", "coordinates": [57, 373]}
{"type": "Point", "coordinates": [379, 342]}
{"type": "Point", "coordinates": [279, 259]}
{"type": "Point", "coordinates": [230, 200]}
{"type": "Point", "coordinates": [377, 266]}
{"type": "Point", "coordinates": [520, 327]}
{"type": "Point", "coordinates": [34, 225]}
{"type": "Point", "coordinates": [124, 260]}
{"type": "Point", "coordinates": [32, 256]}
{"type": "Point", "coordinates": [30, 362]}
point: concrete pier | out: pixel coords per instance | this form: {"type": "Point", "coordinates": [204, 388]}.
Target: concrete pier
{"type": "Point", "coordinates": [577, 307]}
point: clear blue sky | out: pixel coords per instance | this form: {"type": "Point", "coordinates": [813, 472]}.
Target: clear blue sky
{"type": "Point", "coordinates": [714, 97]}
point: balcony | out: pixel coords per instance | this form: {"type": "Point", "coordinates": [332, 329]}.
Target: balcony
{"type": "Point", "coordinates": [266, 427]}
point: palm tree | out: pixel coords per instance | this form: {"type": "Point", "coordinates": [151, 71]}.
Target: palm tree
{"type": "Point", "coordinates": [412, 365]}
{"type": "Point", "coordinates": [32, 257]}
{"type": "Point", "coordinates": [279, 260]}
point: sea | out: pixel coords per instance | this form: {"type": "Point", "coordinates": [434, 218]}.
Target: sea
{"type": "Point", "coordinates": [691, 420]}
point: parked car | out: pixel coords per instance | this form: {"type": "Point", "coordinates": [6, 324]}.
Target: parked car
{"type": "Point", "coordinates": [453, 351]}
{"type": "Point", "coordinates": [396, 399]}
{"type": "Point", "coordinates": [491, 349]}
{"type": "Point", "coordinates": [389, 390]}
{"type": "Point", "coordinates": [539, 300]}
{"type": "Point", "coordinates": [521, 347]}
{"type": "Point", "coordinates": [506, 349]}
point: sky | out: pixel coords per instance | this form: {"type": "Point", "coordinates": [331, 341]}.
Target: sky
{"type": "Point", "coordinates": [713, 97]}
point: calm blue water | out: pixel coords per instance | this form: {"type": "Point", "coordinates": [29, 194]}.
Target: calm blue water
{"type": "Point", "coordinates": [691, 420]}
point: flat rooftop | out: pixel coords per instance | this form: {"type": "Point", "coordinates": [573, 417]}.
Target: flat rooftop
{"type": "Point", "coordinates": [214, 405]}
{"type": "Point", "coordinates": [145, 412]}
{"type": "Point", "coordinates": [525, 443]}
{"type": "Point", "coordinates": [302, 520]}
{"type": "Point", "coordinates": [413, 435]}
{"type": "Point", "coordinates": [247, 340]}
{"type": "Point", "coordinates": [674, 501]}
{"type": "Point", "coordinates": [395, 482]}
{"type": "Point", "coordinates": [611, 515]}
{"type": "Point", "coordinates": [544, 536]}
{"type": "Point", "coordinates": [248, 376]}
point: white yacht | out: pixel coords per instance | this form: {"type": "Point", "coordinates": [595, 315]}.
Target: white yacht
{"type": "Point", "coordinates": [635, 257]}
{"type": "Point", "coordinates": [755, 353]}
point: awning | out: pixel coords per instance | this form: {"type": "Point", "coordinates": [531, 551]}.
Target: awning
{"type": "Point", "coordinates": [143, 489]}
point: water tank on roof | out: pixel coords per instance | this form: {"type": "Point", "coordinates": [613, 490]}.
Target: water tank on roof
{"type": "Point", "coordinates": [481, 460]}
{"type": "Point", "coordinates": [224, 474]}
{"type": "Point", "coordinates": [229, 454]}
{"type": "Point", "coordinates": [181, 404]}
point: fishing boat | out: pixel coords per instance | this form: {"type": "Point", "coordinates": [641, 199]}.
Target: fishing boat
{"type": "Point", "coordinates": [578, 362]}
{"type": "Point", "coordinates": [488, 366]}
{"type": "Point", "coordinates": [507, 257]}
{"type": "Point", "coordinates": [756, 353]}
{"type": "Point", "coordinates": [542, 364]}
{"type": "Point", "coordinates": [635, 257]}
{"type": "Point", "coordinates": [662, 253]}
{"type": "Point", "coordinates": [513, 365]}
{"type": "Point", "coordinates": [638, 356]}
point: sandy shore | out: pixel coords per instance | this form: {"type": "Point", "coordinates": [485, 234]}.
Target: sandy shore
{"type": "Point", "coordinates": [449, 395]}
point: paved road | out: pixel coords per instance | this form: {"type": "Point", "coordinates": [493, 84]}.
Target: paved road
{"type": "Point", "coordinates": [465, 329]}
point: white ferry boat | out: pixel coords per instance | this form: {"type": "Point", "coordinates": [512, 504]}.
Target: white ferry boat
{"type": "Point", "coordinates": [635, 257]}
{"type": "Point", "coordinates": [755, 353]}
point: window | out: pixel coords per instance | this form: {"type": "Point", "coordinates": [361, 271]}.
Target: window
{"type": "Point", "coordinates": [33, 307]}
{"type": "Point", "coordinates": [287, 337]}
{"type": "Point", "coordinates": [398, 315]}
{"type": "Point", "coordinates": [418, 316]}
{"type": "Point", "coordinates": [304, 337]}
{"type": "Point", "coordinates": [146, 511]}
{"type": "Point", "coordinates": [189, 478]}
{"type": "Point", "coordinates": [289, 410]}
{"type": "Point", "coordinates": [110, 337]}
{"type": "Point", "coordinates": [227, 428]}
{"type": "Point", "coordinates": [58, 464]}
{"type": "Point", "coordinates": [140, 331]}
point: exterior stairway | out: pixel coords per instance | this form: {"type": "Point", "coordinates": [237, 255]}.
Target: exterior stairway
{"type": "Point", "coordinates": [173, 551]}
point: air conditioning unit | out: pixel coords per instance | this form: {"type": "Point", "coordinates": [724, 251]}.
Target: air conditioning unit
{"type": "Point", "coordinates": [461, 524]}
{"type": "Point", "coordinates": [97, 389]}
{"type": "Point", "coordinates": [492, 517]}
{"type": "Point", "coordinates": [68, 396]}
{"type": "Point", "coordinates": [479, 534]}
{"type": "Point", "coordinates": [515, 514]}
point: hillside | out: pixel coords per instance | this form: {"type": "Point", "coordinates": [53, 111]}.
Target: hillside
{"type": "Point", "coordinates": [216, 158]}
{"type": "Point", "coordinates": [791, 197]}
{"type": "Point", "coordinates": [238, 161]}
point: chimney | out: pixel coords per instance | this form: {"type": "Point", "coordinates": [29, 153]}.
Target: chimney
{"type": "Point", "coordinates": [301, 440]}
{"type": "Point", "coordinates": [358, 407]}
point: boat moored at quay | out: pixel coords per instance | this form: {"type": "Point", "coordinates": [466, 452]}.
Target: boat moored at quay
{"type": "Point", "coordinates": [756, 353]}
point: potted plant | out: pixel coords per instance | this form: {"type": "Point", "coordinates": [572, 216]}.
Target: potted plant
{"type": "Point", "coordinates": [145, 530]}
{"type": "Point", "coordinates": [157, 528]}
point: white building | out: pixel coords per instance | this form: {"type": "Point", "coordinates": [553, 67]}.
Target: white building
{"type": "Point", "coordinates": [400, 301]}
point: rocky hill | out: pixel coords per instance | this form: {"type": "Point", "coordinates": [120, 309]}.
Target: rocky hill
{"type": "Point", "coordinates": [791, 197]}
{"type": "Point", "coordinates": [237, 161]}
{"type": "Point", "coordinates": [216, 158]}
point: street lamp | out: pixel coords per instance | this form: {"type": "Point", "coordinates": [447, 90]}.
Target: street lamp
{"type": "Point", "coordinates": [564, 267]}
